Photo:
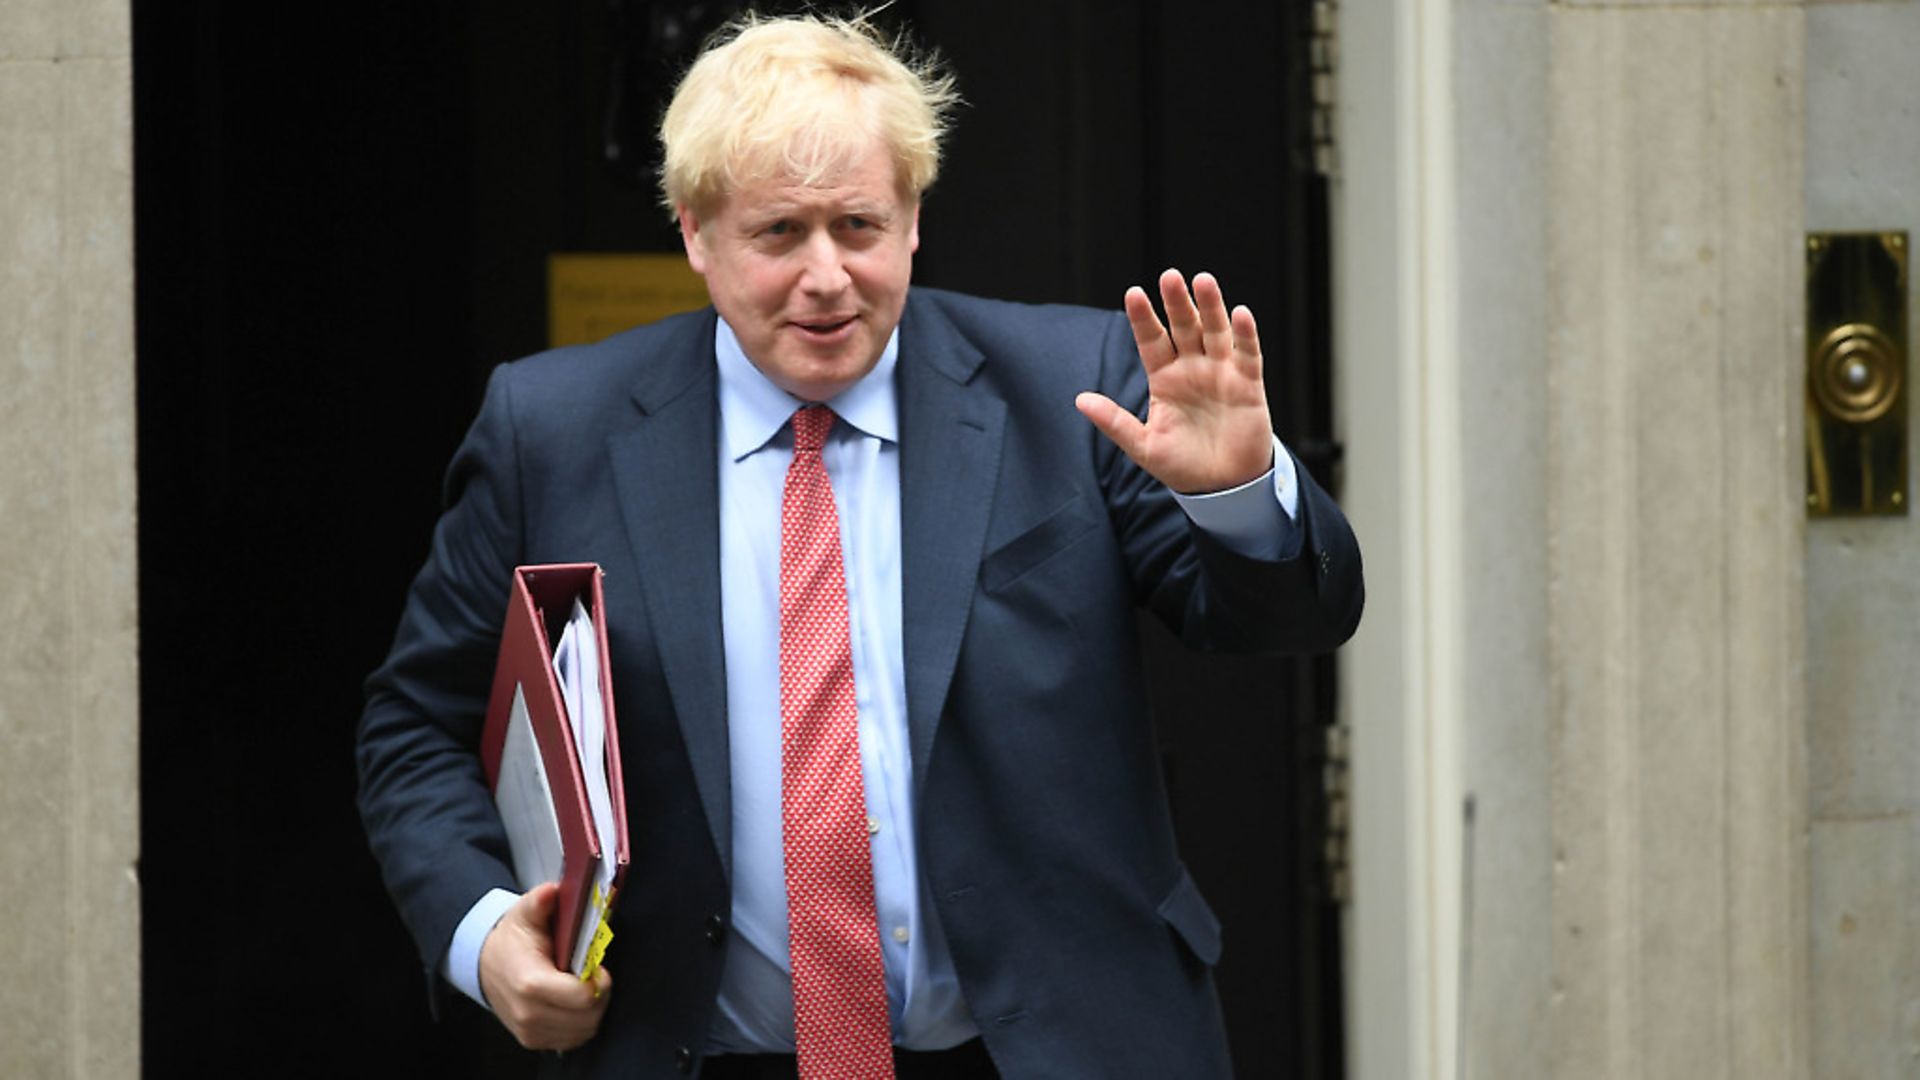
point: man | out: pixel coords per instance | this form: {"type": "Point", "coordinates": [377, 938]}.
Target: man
{"type": "Point", "coordinates": [964, 553]}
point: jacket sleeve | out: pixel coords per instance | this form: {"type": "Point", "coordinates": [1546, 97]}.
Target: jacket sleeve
{"type": "Point", "coordinates": [423, 797]}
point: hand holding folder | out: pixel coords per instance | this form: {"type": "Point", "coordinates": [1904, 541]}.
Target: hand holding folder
{"type": "Point", "coordinates": [552, 754]}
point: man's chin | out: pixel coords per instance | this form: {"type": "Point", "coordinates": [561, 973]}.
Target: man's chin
{"type": "Point", "coordinates": [817, 383]}
{"type": "Point", "coordinates": [813, 377]}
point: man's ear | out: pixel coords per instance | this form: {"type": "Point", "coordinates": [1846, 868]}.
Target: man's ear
{"type": "Point", "coordinates": [913, 229]}
{"type": "Point", "coordinates": [690, 237]}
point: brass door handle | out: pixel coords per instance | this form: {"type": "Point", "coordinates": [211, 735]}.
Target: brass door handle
{"type": "Point", "coordinates": [1856, 373]}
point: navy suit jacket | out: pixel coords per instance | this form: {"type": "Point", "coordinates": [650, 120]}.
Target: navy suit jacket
{"type": "Point", "coordinates": [1028, 542]}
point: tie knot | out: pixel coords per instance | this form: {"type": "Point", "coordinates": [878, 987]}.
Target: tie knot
{"type": "Point", "coordinates": [810, 427]}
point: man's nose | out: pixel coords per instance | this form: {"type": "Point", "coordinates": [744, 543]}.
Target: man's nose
{"type": "Point", "coordinates": [825, 271]}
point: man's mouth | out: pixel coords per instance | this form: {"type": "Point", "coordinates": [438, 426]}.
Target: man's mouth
{"type": "Point", "coordinates": [826, 327]}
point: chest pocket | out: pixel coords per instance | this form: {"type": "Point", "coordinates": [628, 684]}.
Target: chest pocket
{"type": "Point", "coordinates": [1053, 534]}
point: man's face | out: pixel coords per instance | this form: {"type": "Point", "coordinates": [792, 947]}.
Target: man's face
{"type": "Point", "coordinates": [811, 278]}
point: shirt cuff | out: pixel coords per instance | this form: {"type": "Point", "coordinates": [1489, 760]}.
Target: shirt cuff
{"type": "Point", "coordinates": [462, 965]}
{"type": "Point", "coordinates": [1244, 518]}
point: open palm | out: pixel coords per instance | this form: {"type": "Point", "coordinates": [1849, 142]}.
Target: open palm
{"type": "Point", "coordinates": [1207, 426]}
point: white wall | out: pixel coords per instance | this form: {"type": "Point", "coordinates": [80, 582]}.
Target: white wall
{"type": "Point", "coordinates": [1568, 335]}
{"type": "Point", "coordinates": [69, 693]}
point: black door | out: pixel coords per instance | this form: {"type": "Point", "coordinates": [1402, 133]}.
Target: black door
{"type": "Point", "coordinates": [343, 213]}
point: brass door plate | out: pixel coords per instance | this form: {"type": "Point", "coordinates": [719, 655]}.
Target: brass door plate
{"type": "Point", "coordinates": [1856, 374]}
{"type": "Point", "coordinates": [593, 294]}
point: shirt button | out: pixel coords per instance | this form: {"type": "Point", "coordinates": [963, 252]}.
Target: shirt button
{"type": "Point", "coordinates": [900, 934]}
{"type": "Point", "coordinates": [683, 1059]}
{"type": "Point", "coordinates": [716, 928]}
{"type": "Point", "coordinates": [873, 825]}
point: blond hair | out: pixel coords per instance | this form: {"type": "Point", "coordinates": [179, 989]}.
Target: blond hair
{"type": "Point", "coordinates": [801, 97]}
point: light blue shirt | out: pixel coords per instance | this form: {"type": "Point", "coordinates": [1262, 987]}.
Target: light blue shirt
{"type": "Point", "coordinates": [862, 456]}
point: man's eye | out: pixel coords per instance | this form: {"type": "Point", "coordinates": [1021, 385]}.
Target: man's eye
{"type": "Point", "coordinates": [780, 228]}
{"type": "Point", "coordinates": [858, 222]}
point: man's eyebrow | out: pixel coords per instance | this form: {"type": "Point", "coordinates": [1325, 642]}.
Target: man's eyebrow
{"type": "Point", "coordinates": [765, 216]}
{"type": "Point", "coordinates": [878, 213]}
{"type": "Point", "coordinates": [770, 213]}
{"type": "Point", "coordinates": [775, 211]}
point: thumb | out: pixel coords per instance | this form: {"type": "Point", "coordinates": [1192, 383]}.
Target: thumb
{"type": "Point", "coordinates": [534, 909]}
{"type": "Point", "coordinates": [1116, 423]}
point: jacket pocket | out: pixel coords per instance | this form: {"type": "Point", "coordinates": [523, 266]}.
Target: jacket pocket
{"type": "Point", "coordinates": [1035, 546]}
{"type": "Point", "coordinates": [1186, 911]}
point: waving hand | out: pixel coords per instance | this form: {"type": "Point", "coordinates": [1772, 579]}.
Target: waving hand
{"type": "Point", "coordinates": [1207, 427]}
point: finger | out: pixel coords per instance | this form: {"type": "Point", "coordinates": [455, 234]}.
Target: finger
{"type": "Point", "coordinates": [1116, 423]}
{"type": "Point", "coordinates": [1246, 342]}
{"type": "Point", "coordinates": [558, 1011]}
{"type": "Point", "coordinates": [1183, 321]}
{"type": "Point", "coordinates": [1216, 330]}
{"type": "Point", "coordinates": [545, 1013]}
{"type": "Point", "coordinates": [1156, 348]}
{"type": "Point", "coordinates": [596, 986]}
{"type": "Point", "coordinates": [583, 1019]}
{"type": "Point", "coordinates": [563, 1029]}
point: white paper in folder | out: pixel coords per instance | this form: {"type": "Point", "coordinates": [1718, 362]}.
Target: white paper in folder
{"type": "Point", "coordinates": [576, 663]}
{"type": "Point", "coordinates": [525, 800]}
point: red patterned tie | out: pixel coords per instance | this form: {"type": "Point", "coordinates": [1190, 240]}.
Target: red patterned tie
{"type": "Point", "coordinates": [839, 984]}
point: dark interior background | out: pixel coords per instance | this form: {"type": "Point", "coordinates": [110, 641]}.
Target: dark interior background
{"type": "Point", "coordinates": [343, 213]}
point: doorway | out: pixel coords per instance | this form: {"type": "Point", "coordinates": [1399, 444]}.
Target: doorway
{"type": "Point", "coordinates": [343, 215]}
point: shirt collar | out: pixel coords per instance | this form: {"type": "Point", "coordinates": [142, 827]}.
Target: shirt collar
{"type": "Point", "coordinates": [753, 409]}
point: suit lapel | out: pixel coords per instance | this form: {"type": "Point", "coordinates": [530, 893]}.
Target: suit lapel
{"type": "Point", "coordinates": [950, 435]}
{"type": "Point", "coordinates": [666, 470]}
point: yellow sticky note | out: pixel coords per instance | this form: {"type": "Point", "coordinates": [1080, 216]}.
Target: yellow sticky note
{"type": "Point", "coordinates": [602, 936]}
{"type": "Point", "coordinates": [602, 933]}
